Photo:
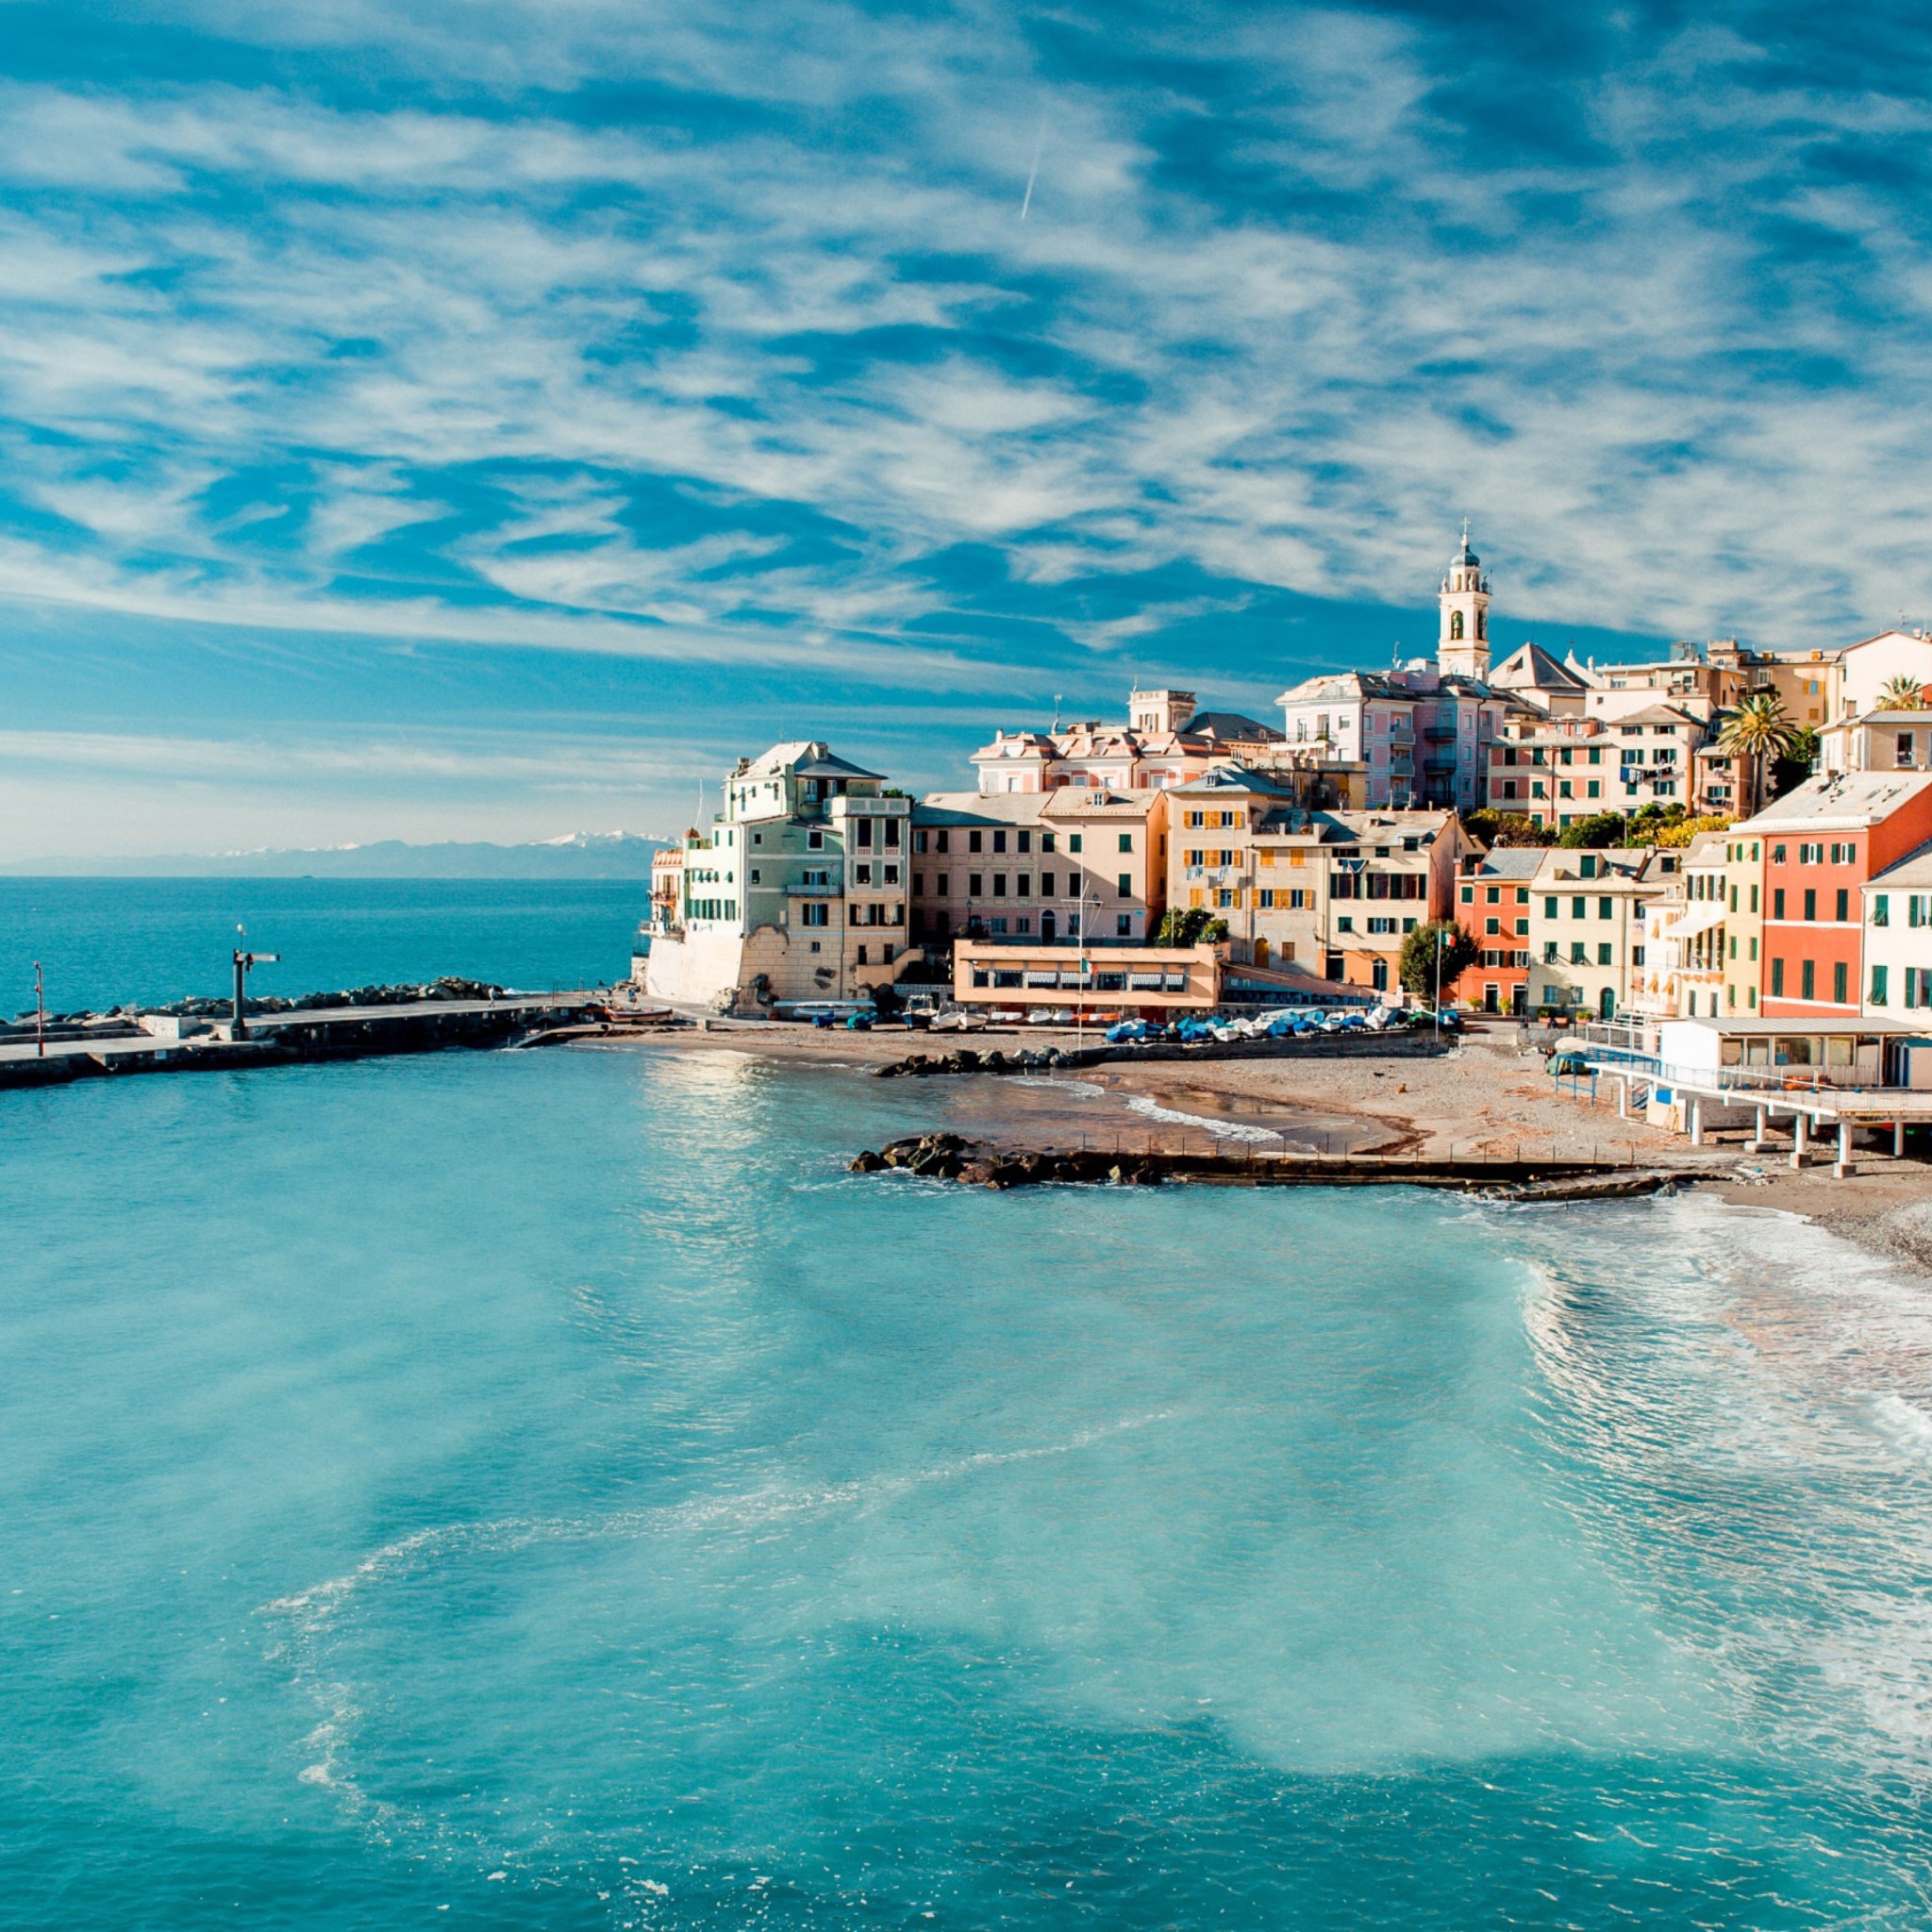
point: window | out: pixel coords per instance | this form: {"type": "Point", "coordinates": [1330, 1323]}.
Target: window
{"type": "Point", "coordinates": [1126, 841]}
{"type": "Point", "coordinates": [1881, 908]}
{"type": "Point", "coordinates": [1810, 902]}
{"type": "Point", "coordinates": [1807, 979]}
{"type": "Point", "coordinates": [1523, 895]}
{"type": "Point", "coordinates": [1023, 885]}
{"type": "Point", "coordinates": [999, 885]}
{"type": "Point", "coordinates": [753, 876]}
{"type": "Point", "coordinates": [1494, 896]}
{"type": "Point", "coordinates": [1565, 789]}
{"type": "Point", "coordinates": [1493, 926]}
{"type": "Point", "coordinates": [814, 841]}
{"type": "Point", "coordinates": [817, 915]}
{"type": "Point", "coordinates": [999, 839]}
{"type": "Point", "coordinates": [1596, 790]}
{"type": "Point", "coordinates": [1126, 885]}
{"type": "Point", "coordinates": [1046, 885]}
{"type": "Point", "coordinates": [1523, 928]}
{"type": "Point", "coordinates": [1123, 925]}
{"type": "Point", "coordinates": [941, 887]}
{"type": "Point", "coordinates": [1578, 952]}
{"type": "Point", "coordinates": [1606, 908]}
{"type": "Point", "coordinates": [974, 840]}
{"type": "Point", "coordinates": [1637, 955]}
{"type": "Point", "coordinates": [1549, 952]}
{"type": "Point", "coordinates": [1550, 909]}
{"type": "Point", "coordinates": [1579, 909]}
{"type": "Point", "coordinates": [942, 840]}
{"type": "Point", "coordinates": [1046, 841]}
{"type": "Point", "coordinates": [1777, 901]}
{"type": "Point", "coordinates": [1878, 978]}
{"type": "Point", "coordinates": [1602, 955]}
{"type": "Point", "coordinates": [1915, 987]}
{"type": "Point", "coordinates": [1777, 979]}
{"type": "Point", "coordinates": [975, 885]}
{"type": "Point", "coordinates": [1918, 910]}
{"type": "Point", "coordinates": [1073, 842]}
{"type": "Point", "coordinates": [1344, 923]}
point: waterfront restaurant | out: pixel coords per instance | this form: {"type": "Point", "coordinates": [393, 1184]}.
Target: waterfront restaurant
{"type": "Point", "coordinates": [1155, 982]}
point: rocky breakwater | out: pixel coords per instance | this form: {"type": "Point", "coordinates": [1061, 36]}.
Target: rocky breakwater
{"type": "Point", "coordinates": [968, 1060]}
{"type": "Point", "coordinates": [952, 1157]}
{"type": "Point", "coordinates": [947, 1156]}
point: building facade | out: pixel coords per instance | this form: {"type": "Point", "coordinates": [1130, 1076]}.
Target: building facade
{"type": "Point", "coordinates": [798, 892]}
{"type": "Point", "coordinates": [1492, 906]}
{"type": "Point", "coordinates": [1898, 939]}
{"type": "Point", "coordinates": [1584, 935]}
{"type": "Point", "coordinates": [1074, 863]}
{"type": "Point", "coordinates": [1819, 845]}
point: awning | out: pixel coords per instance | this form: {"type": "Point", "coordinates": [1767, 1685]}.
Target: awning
{"type": "Point", "coordinates": [1706, 914]}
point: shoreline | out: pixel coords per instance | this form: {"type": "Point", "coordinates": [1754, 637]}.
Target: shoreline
{"type": "Point", "coordinates": [1483, 1101]}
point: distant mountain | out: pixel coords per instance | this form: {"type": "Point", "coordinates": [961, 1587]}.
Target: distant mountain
{"type": "Point", "coordinates": [576, 856]}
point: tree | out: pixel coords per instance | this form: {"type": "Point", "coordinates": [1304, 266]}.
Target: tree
{"type": "Point", "coordinates": [1190, 926]}
{"type": "Point", "coordinates": [1417, 969]}
{"type": "Point", "coordinates": [1759, 730]}
{"type": "Point", "coordinates": [1902, 694]}
{"type": "Point", "coordinates": [1597, 833]}
{"type": "Point", "coordinates": [1791, 770]}
{"type": "Point", "coordinates": [1683, 831]}
{"type": "Point", "coordinates": [1490, 827]}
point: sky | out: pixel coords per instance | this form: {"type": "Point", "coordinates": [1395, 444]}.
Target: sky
{"type": "Point", "coordinates": [488, 420]}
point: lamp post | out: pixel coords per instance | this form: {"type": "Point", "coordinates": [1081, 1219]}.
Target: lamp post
{"type": "Point", "coordinates": [39, 1014]}
{"type": "Point", "coordinates": [244, 961]}
{"type": "Point", "coordinates": [1442, 939]}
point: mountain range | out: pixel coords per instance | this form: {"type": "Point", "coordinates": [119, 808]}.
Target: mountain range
{"type": "Point", "coordinates": [576, 856]}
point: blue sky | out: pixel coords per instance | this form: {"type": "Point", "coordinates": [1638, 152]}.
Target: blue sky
{"type": "Point", "coordinates": [485, 421]}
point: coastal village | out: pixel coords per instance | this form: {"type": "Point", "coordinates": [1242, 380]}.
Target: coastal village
{"type": "Point", "coordinates": [1598, 834]}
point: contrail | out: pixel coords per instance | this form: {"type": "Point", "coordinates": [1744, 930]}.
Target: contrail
{"type": "Point", "coordinates": [1033, 173]}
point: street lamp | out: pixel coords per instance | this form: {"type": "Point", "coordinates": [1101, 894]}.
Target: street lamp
{"type": "Point", "coordinates": [244, 961]}
{"type": "Point", "coordinates": [1442, 939]}
{"type": "Point", "coordinates": [39, 1014]}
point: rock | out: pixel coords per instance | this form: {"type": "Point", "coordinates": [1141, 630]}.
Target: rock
{"type": "Point", "coordinates": [867, 1162]}
{"type": "Point", "coordinates": [977, 1173]}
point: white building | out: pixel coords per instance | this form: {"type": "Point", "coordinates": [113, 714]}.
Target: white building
{"type": "Point", "coordinates": [1898, 939]}
{"type": "Point", "coordinates": [798, 892]}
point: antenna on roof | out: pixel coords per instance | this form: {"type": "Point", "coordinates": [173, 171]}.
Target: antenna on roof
{"type": "Point", "coordinates": [1056, 713]}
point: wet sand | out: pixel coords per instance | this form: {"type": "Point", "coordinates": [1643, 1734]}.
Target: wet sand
{"type": "Point", "coordinates": [1486, 1097]}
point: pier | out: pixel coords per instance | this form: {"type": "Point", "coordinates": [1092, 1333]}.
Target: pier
{"type": "Point", "coordinates": [153, 1043]}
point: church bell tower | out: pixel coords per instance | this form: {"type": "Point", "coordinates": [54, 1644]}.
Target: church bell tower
{"type": "Point", "coordinates": [1464, 646]}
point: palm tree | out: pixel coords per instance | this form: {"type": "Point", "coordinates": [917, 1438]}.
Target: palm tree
{"type": "Point", "coordinates": [1902, 695]}
{"type": "Point", "coordinates": [1759, 730]}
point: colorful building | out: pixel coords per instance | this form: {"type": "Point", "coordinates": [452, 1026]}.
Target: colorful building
{"type": "Point", "coordinates": [1820, 844]}
{"type": "Point", "coordinates": [1492, 901]}
{"type": "Point", "coordinates": [1898, 939]}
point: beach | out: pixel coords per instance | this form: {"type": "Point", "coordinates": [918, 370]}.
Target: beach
{"type": "Point", "coordinates": [1484, 1098]}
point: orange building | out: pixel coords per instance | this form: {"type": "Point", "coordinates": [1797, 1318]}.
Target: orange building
{"type": "Point", "coordinates": [1819, 844]}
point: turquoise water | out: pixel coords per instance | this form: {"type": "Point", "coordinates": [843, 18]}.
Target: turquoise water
{"type": "Point", "coordinates": [104, 942]}
{"type": "Point", "coordinates": [544, 1489]}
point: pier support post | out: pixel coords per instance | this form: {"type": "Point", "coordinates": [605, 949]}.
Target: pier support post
{"type": "Point", "coordinates": [1755, 1145]}
{"type": "Point", "coordinates": [1898, 1140]}
{"type": "Point", "coordinates": [1623, 1100]}
{"type": "Point", "coordinates": [1800, 1121]}
{"type": "Point", "coordinates": [1697, 1119]}
{"type": "Point", "coordinates": [1843, 1165]}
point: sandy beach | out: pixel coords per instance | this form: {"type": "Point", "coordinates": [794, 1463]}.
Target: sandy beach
{"type": "Point", "coordinates": [1486, 1097]}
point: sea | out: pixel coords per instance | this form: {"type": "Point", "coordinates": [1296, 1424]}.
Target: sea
{"type": "Point", "coordinates": [547, 1490]}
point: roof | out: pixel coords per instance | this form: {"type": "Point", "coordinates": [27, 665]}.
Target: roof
{"type": "Point", "coordinates": [1914, 869]}
{"type": "Point", "coordinates": [1840, 801]}
{"type": "Point", "coordinates": [1096, 801]}
{"type": "Point", "coordinates": [1709, 848]}
{"type": "Point", "coordinates": [1629, 866]}
{"type": "Point", "coordinates": [1531, 665]}
{"type": "Point", "coordinates": [1233, 776]}
{"type": "Point", "coordinates": [980, 808]}
{"type": "Point", "coordinates": [1229, 725]}
{"type": "Point", "coordinates": [804, 758]}
{"type": "Point", "coordinates": [1654, 714]}
{"type": "Point", "coordinates": [1511, 862]}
